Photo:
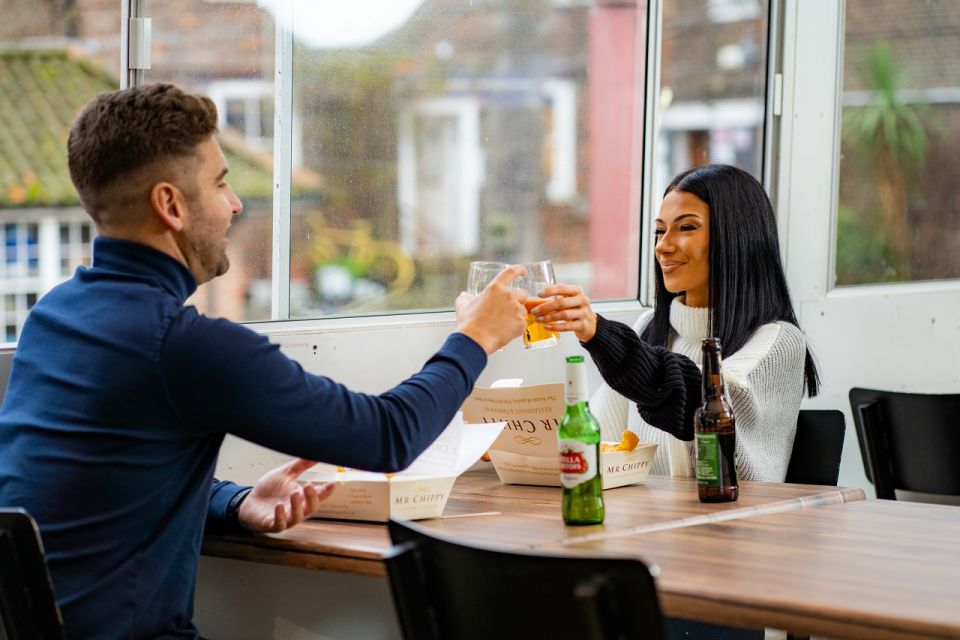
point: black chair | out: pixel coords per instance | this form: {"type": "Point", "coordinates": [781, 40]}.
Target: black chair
{"type": "Point", "coordinates": [28, 608]}
{"type": "Point", "coordinates": [446, 589]}
{"type": "Point", "coordinates": [908, 441]}
{"type": "Point", "coordinates": [817, 447]}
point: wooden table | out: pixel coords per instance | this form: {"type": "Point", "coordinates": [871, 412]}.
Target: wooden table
{"type": "Point", "coordinates": [868, 569]}
{"type": "Point", "coordinates": [817, 560]}
{"type": "Point", "coordinates": [526, 518]}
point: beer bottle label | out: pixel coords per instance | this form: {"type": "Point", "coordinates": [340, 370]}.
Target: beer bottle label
{"type": "Point", "coordinates": [578, 462]}
{"type": "Point", "coordinates": [708, 459]}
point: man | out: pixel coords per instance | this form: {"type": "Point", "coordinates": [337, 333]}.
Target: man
{"type": "Point", "coordinates": [120, 396]}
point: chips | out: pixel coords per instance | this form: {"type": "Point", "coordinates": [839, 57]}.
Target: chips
{"type": "Point", "coordinates": [628, 442]}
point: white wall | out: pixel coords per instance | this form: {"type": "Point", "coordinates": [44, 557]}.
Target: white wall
{"type": "Point", "coordinates": [898, 337]}
{"type": "Point", "coordinates": [242, 600]}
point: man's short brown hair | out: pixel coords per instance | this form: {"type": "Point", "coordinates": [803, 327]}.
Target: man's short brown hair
{"type": "Point", "coordinates": [121, 132]}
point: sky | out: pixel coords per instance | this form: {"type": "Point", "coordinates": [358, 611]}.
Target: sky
{"type": "Point", "coordinates": [344, 23]}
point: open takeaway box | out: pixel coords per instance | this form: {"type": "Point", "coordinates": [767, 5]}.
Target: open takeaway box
{"type": "Point", "coordinates": [419, 491]}
{"type": "Point", "coordinates": [526, 452]}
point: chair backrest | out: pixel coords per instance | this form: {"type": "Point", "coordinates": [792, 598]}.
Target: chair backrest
{"type": "Point", "coordinates": [817, 447]}
{"type": "Point", "coordinates": [28, 608]}
{"type": "Point", "coordinates": [908, 441]}
{"type": "Point", "coordinates": [446, 589]}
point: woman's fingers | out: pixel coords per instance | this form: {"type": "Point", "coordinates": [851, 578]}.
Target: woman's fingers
{"type": "Point", "coordinates": [567, 310]}
{"type": "Point", "coordinates": [561, 290]}
{"type": "Point", "coordinates": [564, 326]}
{"type": "Point", "coordinates": [563, 309]}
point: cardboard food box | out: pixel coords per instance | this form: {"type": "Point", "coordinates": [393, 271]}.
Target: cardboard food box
{"type": "Point", "coordinates": [420, 491]}
{"type": "Point", "coordinates": [525, 452]}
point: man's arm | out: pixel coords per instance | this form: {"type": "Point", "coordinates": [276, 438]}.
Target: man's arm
{"type": "Point", "coordinates": [275, 503]}
{"type": "Point", "coordinates": [222, 377]}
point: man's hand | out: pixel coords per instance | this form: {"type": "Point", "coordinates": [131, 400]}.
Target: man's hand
{"type": "Point", "coordinates": [495, 316]}
{"type": "Point", "coordinates": [278, 502]}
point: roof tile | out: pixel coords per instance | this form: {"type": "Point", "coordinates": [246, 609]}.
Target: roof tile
{"type": "Point", "coordinates": [41, 93]}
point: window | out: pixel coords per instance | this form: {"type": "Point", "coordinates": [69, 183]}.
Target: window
{"type": "Point", "coordinates": [48, 75]}
{"type": "Point", "coordinates": [712, 87]}
{"type": "Point", "coordinates": [450, 131]}
{"type": "Point", "coordinates": [721, 11]}
{"type": "Point", "coordinates": [246, 107]}
{"type": "Point", "coordinates": [21, 255]}
{"type": "Point", "coordinates": [423, 135]}
{"type": "Point", "coordinates": [428, 133]}
{"type": "Point", "coordinates": [897, 213]}
{"type": "Point", "coordinates": [417, 135]}
{"type": "Point", "coordinates": [76, 245]}
{"type": "Point", "coordinates": [226, 50]}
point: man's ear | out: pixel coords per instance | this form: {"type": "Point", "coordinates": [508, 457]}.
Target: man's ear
{"type": "Point", "coordinates": [168, 204]}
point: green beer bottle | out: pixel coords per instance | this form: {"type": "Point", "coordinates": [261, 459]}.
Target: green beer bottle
{"type": "Point", "coordinates": [579, 441]}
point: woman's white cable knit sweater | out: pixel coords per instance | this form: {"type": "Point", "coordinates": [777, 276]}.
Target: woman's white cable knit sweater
{"type": "Point", "coordinates": [764, 382]}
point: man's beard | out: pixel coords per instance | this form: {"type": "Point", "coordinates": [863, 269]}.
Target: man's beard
{"type": "Point", "coordinates": [223, 265]}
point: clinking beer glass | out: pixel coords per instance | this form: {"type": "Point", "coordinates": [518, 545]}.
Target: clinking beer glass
{"type": "Point", "coordinates": [539, 275]}
{"type": "Point", "coordinates": [481, 273]}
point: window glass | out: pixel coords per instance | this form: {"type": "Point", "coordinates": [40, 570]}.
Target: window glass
{"type": "Point", "coordinates": [712, 86]}
{"type": "Point", "coordinates": [225, 49]}
{"type": "Point", "coordinates": [426, 134]}
{"type": "Point", "coordinates": [900, 143]}
{"type": "Point", "coordinates": [52, 61]}
{"type": "Point", "coordinates": [446, 131]}
{"type": "Point", "coordinates": [76, 245]}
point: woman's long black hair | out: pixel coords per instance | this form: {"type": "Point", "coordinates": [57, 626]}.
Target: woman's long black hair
{"type": "Point", "coordinates": [747, 285]}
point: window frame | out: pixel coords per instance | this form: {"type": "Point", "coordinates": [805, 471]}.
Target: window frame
{"type": "Point", "coordinates": [281, 322]}
{"type": "Point", "coordinates": [813, 104]}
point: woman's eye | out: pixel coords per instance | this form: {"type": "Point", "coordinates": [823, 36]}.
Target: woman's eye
{"type": "Point", "coordinates": [688, 227]}
{"type": "Point", "coordinates": [659, 232]}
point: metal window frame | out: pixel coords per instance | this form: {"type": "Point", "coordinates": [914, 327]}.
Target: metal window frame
{"type": "Point", "coordinates": [133, 19]}
{"type": "Point", "coordinates": [651, 115]}
{"type": "Point", "coordinates": [130, 10]}
{"type": "Point", "coordinates": [282, 160]}
{"type": "Point", "coordinates": [283, 146]}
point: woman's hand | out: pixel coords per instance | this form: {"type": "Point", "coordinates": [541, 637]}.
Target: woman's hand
{"type": "Point", "coordinates": [569, 310]}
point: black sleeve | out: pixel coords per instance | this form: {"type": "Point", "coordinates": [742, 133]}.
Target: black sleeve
{"type": "Point", "coordinates": [664, 385]}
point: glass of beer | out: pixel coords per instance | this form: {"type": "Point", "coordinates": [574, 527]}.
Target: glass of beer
{"type": "Point", "coordinates": [539, 275]}
{"type": "Point", "coordinates": [480, 275]}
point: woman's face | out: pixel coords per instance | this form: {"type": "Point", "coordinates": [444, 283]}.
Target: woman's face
{"type": "Point", "coordinates": [683, 246]}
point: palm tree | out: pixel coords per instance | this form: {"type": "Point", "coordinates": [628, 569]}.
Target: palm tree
{"type": "Point", "coordinates": [889, 134]}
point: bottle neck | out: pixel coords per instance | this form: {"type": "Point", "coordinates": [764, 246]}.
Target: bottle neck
{"type": "Point", "coordinates": [578, 409]}
{"type": "Point", "coordinates": [575, 393]}
{"type": "Point", "coordinates": [712, 375]}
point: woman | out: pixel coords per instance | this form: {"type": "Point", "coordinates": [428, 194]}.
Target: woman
{"type": "Point", "coordinates": [718, 273]}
